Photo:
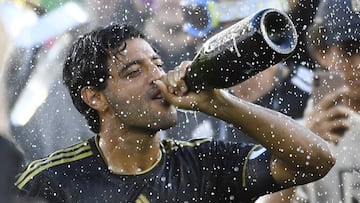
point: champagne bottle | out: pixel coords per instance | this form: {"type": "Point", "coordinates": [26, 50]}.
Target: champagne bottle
{"type": "Point", "coordinates": [242, 50]}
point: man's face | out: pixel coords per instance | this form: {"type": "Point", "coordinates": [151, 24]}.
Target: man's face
{"type": "Point", "coordinates": [347, 63]}
{"type": "Point", "coordinates": [133, 98]}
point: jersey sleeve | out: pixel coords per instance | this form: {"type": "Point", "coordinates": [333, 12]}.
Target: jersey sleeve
{"type": "Point", "coordinates": [43, 188]}
{"type": "Point", "coordinates": [243, 170]}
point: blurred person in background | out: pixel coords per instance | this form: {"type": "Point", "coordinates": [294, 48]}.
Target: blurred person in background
{"type": "Point", "coordinates": [11, 154]}
{"type": "Point", "coordinates": [286, 86]}
{"type": "Point", "coordinates": [40, 111]}
{"type": "Point", "coordinates": [334, 41]}
{"type": "Point", "coordinates": [134, 12]}
{"type": "Point", "coordinates": [164, 28]}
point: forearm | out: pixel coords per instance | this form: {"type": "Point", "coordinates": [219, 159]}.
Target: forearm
{"type": "Point", "coordinates": [290, 142]}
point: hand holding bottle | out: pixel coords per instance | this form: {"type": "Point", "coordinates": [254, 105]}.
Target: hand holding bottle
{"type": "Point", "coordinates": [174, 89]}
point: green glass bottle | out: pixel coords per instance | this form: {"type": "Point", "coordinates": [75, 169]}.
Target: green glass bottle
{"type": "Point", "coordinates": [242, 50]}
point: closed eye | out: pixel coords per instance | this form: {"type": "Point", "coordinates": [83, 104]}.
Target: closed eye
{"type": "Point", "coordinates": [131, 73]}
{"type": "Point", "coordinates": [160, 65]}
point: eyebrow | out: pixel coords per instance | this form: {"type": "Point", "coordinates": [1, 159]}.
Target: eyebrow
{"type": "Point", "coordinates": [127, 65]}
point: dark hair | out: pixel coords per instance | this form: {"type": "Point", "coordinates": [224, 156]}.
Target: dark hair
{"type": "Point", "coordinates": [336, 23]}
{"type": "Point", "coordinates": [317, 42]}
{"type": "Point", "coordinates": [88, 61]}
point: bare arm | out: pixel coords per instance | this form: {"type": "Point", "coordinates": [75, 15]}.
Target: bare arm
{"type": "Point", "coordinates": [258, 85]}
{"type": "Point", "coordinates": [299, 156]}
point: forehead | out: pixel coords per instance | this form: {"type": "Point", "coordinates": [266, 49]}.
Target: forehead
{"type": "Point", "coordinates": [135, 49]}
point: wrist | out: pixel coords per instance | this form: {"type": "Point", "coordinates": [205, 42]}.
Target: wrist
{"type": "Point", "coordinates": [219, 100]}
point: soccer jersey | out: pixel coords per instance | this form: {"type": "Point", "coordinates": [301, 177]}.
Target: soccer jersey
{"type": "Point", "coordinates": [200, 170]}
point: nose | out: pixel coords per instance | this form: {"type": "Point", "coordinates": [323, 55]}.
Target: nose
{"type": "Point", "coordinates": [156, 73]}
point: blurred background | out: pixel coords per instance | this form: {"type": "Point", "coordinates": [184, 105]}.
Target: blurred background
{"type": "Point", "coordinates": [35, 35]}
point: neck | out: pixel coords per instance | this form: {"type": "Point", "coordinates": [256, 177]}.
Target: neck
{"type": "Point", "coordinates": [130, 152]}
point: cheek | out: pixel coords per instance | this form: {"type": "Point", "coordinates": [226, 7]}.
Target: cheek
{"type": "Point", "coordinates": [126, 93]}
{"type": "Point", "coordinates": [122, 97]}
{"type": "Point", "coordinates": [352, 68]}
{"type": "Point", "coordinates": [355, 92]}
{"type": "Point", "coordinates": [134, 100]}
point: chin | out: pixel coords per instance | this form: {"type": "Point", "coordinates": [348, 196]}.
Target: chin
{"type": "Point", "coordinates": [167, 122]}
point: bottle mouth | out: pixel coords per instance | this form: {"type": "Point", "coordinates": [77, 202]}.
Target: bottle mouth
{"type": "Point", "coordinates": [279, 31]}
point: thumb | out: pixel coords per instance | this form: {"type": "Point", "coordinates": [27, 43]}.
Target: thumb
{"type": "Point", "coordinates": [167, 95]}
{"type": "Point", "coordinates": [161, 85]}
{"type": "Point", "coordinates": [163, 89]}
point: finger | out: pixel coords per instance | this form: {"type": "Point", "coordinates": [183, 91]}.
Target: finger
{"type": "Point", "coordinates": [338, 112]}
{"type": "Point", "coordinates": [183, 87]}
{"type": "Point", "coordinates": [330, 137]}
{"type": "Point", "coordinates": [162, 87]}
{"type": "Point", "coordinates": [317, 118]}
{"type": "Point", "coordinates": [172, 78]}
{"type": "Point", "coordinates": [181, 76]}
{"type": "Point", "coordinates": [177, 85]}
{"type": "Point", "coordinates": [183, 67]}
{"type": "Point", "coordinates": [166, 94]}
{"type": "Point", "coordinates": [340, 126]}
{"type": "Point", "coordinates": [334, 138]}
{"type": "Point", "coordinates": [334, 98]}
{"type": "Point", "coordinates": [176, 78]}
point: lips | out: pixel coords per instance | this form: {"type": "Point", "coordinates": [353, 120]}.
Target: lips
{"type": "Point", "coordinates": [155, 94]}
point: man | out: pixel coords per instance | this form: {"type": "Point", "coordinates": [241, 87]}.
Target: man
{"type": "Point", "coordinates": [116, 80]}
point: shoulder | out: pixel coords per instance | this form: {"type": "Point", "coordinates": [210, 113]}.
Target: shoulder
{"type": "Point", "coordinates": [63, 156]}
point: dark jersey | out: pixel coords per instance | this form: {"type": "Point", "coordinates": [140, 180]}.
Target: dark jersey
{"type": "Point", "coordinates": [193, 171]}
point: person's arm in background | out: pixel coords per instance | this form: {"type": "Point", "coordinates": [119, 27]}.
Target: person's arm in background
{"type": "Point", "coordinates": [11, 155]}
{"type": "Point", "coordinates": [257, 86]}
{"type": "Point", "coordinates": [4, 54]}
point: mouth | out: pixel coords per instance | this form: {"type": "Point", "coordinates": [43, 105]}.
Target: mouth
{"type": "Point", "coordinates": [158, 97]}
{"type": "Point", "coordinates": [156, 94]}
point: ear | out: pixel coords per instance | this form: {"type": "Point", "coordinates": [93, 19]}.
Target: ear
{"type": "Point", "coordinates": [94, 98]}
